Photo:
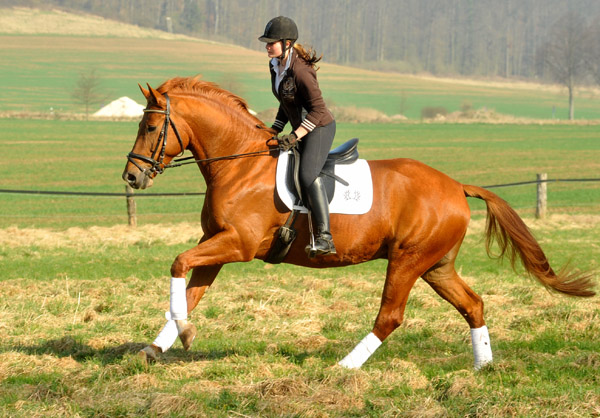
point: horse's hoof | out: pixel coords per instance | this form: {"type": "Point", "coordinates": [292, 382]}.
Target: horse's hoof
{"type": "Point", "coordinates": [188, 335]}
{"type": "Point", "coordinates": [150, 353]}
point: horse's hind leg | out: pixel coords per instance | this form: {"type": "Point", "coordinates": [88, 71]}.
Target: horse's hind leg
{"type": "Point", "coordinates": [447, 283]}
{"type": "Point", "coordinates": [399, 281]}
{"type": "Point", "coordinates": [202, 278]}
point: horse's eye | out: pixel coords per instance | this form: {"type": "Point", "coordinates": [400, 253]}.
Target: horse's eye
{"type": "Point", "coordinates": [151, 128]}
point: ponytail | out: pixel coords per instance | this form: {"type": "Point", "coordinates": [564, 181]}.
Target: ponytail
{"type": "Point", "coordinates": [309, 56]}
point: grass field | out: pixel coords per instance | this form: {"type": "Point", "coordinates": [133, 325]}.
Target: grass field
{"type": "Point", "coordinates": [89, 156]}
{"type": "Point", "coordinates": [44, 53]}
{"type": "Point", "coordinates": [82, 292]}
{"type": "Point", "coordinates": [40, 72]}
{"type": "Point", "coordinates": [77, 305]}
{"type": "Point", "coordinates": [80, 299]}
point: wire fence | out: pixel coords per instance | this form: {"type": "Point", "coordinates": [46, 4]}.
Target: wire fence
{"type": "Point", "coordinates": [99, 194]}
{"type": "Point", "coordinates": [522, 183]}
{"type": "Point", "coordinates": [130, 195]}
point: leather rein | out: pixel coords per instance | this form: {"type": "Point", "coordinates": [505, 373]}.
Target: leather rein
{"type": "Point", "coordinates": [158, 166]}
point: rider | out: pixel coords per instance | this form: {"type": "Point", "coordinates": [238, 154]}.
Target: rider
{"type": "Point", "coordinates": [294, 83]}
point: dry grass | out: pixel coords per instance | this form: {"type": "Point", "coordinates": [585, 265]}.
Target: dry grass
{"type": "Point", "coordinates": [502, 83]}
{"type": "Point", "coordinates": [172, 234]}
{"type": "Point", "coordinates": [269, 339]}
{"type": "Point", "coordinates": [492, 117]}
{"type": "Point", "coordinates": [26, 21]}
{"type": "Point", "coordinates": [100, 369]}
{"type": "Point", "coordinates": [117, 235]}
{"type": "Point", "coordinates": [554, 222]}
{"type": "Point", "coordinates": [354, 114]}
{"type": "Point", "coordinates": [63, 116]}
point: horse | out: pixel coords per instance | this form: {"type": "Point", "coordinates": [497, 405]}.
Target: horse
{"type": "Point", "coordinates": [417, 222]}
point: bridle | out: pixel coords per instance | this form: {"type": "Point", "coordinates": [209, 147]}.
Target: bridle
{"type": "Point", "coordinates": [158, 166]}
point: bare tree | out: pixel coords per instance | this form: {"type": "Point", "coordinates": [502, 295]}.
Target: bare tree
{"type": "Point", "coordinates": [87, 91]}
{"type": "Point", "coordinates": [593, 51]}
{"type": "Point", "coordinates": [564, 54]}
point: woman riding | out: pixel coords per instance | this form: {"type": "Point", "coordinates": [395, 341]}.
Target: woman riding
{"type": "Point", "coordinates": [294, 83]}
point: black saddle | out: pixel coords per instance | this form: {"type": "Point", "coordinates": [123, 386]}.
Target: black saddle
{"type": "Point", "coordinates": [347, 153]}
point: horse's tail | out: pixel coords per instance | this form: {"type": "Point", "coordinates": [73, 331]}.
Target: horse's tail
{"type": "Point", "coordinates": [506, 227]}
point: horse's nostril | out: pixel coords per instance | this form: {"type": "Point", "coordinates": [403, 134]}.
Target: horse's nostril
{"type": "Point", "coordinates": [129, 178]}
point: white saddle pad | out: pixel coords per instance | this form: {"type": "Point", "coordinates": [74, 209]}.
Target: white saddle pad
{"type": "Point", "coordinates": [354, 199]}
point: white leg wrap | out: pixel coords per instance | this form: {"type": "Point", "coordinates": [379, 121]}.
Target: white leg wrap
{"type": "Point", "coordinates": [178, 300]}
{"type": "Point", "coordinates": [167, 335]}
{"type": "Point", "coordinates": [482, 349]}
{"type": "Point", "coordinates": [361, 352]}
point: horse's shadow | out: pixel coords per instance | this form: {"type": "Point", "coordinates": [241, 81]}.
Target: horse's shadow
{"type": "Point", "coordinates": [68, 346]}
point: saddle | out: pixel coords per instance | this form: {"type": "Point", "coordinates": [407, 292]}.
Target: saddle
{"type": "Point", "coordinates": [347, 153]}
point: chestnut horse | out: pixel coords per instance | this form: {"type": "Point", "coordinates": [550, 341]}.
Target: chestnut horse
{"type": "Point", "coordinates": [418, 220]}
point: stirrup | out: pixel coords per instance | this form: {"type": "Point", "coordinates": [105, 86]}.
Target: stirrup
{"type": "Point", "coordinates": [322, 244]}
{"type": "Point", "coordinates": [312, 250]}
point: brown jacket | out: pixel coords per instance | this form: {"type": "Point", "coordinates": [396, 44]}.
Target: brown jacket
{"type": "Point", "coordinates": [300, 99]}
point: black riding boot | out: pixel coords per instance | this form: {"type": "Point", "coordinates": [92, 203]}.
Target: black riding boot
{"type": "Point", "coordinates": [319, 206]}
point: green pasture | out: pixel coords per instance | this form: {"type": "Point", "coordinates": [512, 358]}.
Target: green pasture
{"type": "Point", "coordinates": [74, 316]}
{"type": "Point", "coordinates": [39, 72]}
{"type": "Point", "coordinates": [76, 309]}
{"type": "Point", "coordinates": [80, 156]}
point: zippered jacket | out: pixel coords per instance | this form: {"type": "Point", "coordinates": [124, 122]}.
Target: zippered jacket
{"type": "Point", "coordinates": [300, 99]}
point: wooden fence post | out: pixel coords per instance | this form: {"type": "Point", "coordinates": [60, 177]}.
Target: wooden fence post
{"type": "Point", "coordinates": [131, 210]}
{"type": "Point", "coordinates": [542, 195]}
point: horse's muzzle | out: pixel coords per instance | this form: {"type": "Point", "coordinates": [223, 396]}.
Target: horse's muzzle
{"type": "Point", "coordinates": [137, 179]}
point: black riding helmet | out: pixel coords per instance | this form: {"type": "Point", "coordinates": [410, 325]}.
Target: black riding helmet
{"type": "Point", "coordinates": [280, 28]}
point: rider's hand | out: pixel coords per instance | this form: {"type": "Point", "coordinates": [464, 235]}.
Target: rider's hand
{"type": "Point", "coordinates": [287, 141]}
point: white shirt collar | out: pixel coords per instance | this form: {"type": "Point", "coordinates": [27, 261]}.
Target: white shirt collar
{"type": "Point", "coordinates": [275, 63]}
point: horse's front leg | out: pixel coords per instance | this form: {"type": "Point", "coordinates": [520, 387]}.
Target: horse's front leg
{"type": "Point", "coordinates": [225, 247]}
{"type": "Point", "coordinates": [222, 248]}
{"type": "Point", "coordinates": [202, 278]}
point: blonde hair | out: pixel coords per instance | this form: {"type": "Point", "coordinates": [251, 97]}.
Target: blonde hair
{"type": "Point", "coordinates": [309, 56]}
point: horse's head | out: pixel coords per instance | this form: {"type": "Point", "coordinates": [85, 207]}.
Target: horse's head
{"type": "Point", "coordinates": [158, 141]}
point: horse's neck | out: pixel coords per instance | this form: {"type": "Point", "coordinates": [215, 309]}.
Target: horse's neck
{"type": "Point", "coordinates": [216, 135]}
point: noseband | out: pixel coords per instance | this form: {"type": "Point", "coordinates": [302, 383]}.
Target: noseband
{"type": "Point", "coordinates": [157, 166]}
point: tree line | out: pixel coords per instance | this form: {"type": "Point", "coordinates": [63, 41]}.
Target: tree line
{"type": "Point", "coordinates": [528, 39]}
{"type": "Point", "coordinates": [464, 37]}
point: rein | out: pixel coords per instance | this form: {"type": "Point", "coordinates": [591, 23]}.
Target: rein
{"type": "Point", "coordinates": [158, 166]}
{"type": "Point", "coordinates": [178, 163]}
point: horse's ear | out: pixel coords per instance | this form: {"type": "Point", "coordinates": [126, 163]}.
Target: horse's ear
{"type": "Point", "coordinates": [156, 96]}
{"type": "Point", "coordinates": [145, 92]}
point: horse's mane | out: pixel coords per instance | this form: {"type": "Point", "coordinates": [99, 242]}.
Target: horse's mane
{"type": "Point", "coordinates": [204, 88]}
